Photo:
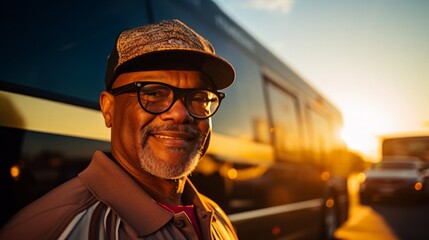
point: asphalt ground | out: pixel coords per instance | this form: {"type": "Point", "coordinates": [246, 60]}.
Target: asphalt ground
{"type": "Point", "coordinates": [363, 222]}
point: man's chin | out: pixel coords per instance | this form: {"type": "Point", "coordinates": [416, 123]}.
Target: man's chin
{"type": "Point", "coordinates": [171, 176]}
{"type": "Point", "coordinates": [164, 168]}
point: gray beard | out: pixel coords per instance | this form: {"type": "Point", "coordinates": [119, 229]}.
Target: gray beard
{"type": "Point", "coordinates": [150, 163]}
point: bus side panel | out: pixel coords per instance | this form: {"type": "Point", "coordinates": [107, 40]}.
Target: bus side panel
{"type": "Point", "coordinates": [286, 225]}
{"type": "Point", "coordinates": [32, 163]}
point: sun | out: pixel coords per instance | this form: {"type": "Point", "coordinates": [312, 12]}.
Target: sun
{"type": "Point", "coordinates": [361, 140]}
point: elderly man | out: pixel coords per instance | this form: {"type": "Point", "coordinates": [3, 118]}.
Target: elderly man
{"type": "Point", "coordinates": [162, 87]}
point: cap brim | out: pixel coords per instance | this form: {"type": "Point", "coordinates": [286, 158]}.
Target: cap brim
{"type": "Point", "coordinates": [220, 71]}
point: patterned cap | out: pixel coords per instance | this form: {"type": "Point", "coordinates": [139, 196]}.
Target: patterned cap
{"type": "Point", "coordinates": [167, 45]}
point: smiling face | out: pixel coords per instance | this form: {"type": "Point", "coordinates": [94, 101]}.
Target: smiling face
{"type": "Point", "coordinates": [167, 145]}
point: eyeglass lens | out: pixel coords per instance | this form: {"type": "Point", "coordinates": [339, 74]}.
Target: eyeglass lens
{"type": "Point", "coordinates": [157, 98]}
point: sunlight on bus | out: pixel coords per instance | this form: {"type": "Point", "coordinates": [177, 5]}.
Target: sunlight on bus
{"type": "Point", "coordinates": [15, 172]}
{"type": "Point", "coordinates": [276, 231]}
{"type": "Point", "coordinates": [232, 173]}
{"type": "Point", "coordinates": [329, 203]}
{"type": "Point", "coordinates": [418, 186]}
{"type": "Point", "coordinates": [325, 176]}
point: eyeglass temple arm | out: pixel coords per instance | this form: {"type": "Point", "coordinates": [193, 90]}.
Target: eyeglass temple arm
{"type": "Point", "coordinates": [124, 89]}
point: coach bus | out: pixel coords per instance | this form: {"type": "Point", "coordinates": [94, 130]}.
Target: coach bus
{"type": "Point", "coordinates": [412, 144]}
{"type": "Point", "coordinates": [276, 164]}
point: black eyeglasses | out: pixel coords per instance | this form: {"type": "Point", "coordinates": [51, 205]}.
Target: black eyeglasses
{"type": "Point", "coordinates": [157, 97]}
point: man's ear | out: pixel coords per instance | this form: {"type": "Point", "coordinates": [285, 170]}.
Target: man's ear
{"type": "Point", "coordinates": [107, 102]}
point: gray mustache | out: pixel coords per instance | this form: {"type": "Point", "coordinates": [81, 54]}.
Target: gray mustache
{"type": "Point", "coordinates": [176, 128]}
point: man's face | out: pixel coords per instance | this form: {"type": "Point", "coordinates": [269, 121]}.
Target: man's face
{"type": "Point", "coordinates": [166, 145]}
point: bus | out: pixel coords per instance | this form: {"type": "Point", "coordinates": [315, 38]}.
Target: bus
{"type": "Point", "coordinates": [276, 163]}
{"type": "Point", "coordinates": [412, 145]}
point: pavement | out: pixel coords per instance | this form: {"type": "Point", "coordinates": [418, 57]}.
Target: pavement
{"type": "Point", "coordinates": [363, 222]}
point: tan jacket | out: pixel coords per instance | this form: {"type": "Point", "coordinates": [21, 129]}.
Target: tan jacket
{"type": "Point", "coordinates": [104, 202]}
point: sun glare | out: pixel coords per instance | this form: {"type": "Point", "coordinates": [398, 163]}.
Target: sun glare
{"type": "Point", "coordinates": [362, 142]}
{"type": "Point", "coordinates": [363, 127]}
{"type": "Point", "coordinates": [357, 141]}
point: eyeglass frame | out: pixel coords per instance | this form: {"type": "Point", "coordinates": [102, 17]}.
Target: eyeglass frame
{"type": "Point", "coordinates": [135, 87]}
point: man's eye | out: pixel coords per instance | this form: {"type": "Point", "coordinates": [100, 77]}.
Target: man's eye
{"type": "Point", "coordinates": [200, 99]}
{"type": "Point", "coordinates": [151, 93]}
{"type": "Point", "coordinates": [155, 93]}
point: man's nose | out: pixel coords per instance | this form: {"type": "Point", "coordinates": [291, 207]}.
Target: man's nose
{"type": "Point", "coordinates": [178, 112]}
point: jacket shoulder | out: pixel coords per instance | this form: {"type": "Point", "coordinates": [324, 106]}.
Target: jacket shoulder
{"type": "Point", "coordinates": [48, 216]}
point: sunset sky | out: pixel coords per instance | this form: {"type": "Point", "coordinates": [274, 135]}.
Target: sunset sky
{"type": "Point", "coordinates": [369, 57]}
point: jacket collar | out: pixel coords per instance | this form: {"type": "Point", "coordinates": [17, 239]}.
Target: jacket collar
{"type": "Point", "coordinates": [114, 187]}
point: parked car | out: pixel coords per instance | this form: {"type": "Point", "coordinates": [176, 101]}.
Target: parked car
{"type": "Point", "coordinates": [400, 178]}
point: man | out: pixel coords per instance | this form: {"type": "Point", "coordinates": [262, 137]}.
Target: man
{"type": "Point", "coordinates": [162, 83]}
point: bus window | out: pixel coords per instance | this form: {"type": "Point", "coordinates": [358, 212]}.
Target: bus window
{"type": "Point", "coordinates": [320, 139]}
{"type": "Point", "coordinates": [58, 50]}
{"type": "Point", "coordinates": [284, 111]}
{"type": "Point", "coordinates": [242, 113]}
